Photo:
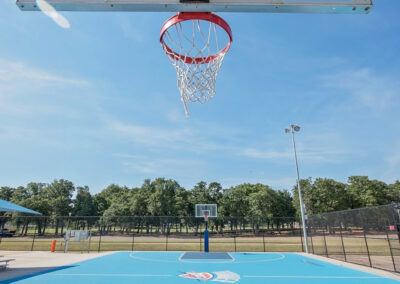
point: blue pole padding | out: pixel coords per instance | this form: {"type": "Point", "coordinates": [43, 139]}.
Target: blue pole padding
{"type": "Point", "coordinates": [206, 241]}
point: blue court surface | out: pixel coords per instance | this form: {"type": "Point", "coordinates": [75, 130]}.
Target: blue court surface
{"type": "Point", "coordinates": [186, 268]}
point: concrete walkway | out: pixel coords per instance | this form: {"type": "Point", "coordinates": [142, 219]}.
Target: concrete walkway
{"type": "Point", "coordinates": [31, 262]}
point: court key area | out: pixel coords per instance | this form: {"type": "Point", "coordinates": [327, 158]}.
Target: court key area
{"type": "Point", "coordinates": [199, 267]}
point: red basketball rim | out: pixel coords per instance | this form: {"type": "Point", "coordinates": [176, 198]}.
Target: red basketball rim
{"type": "Point", "coordinates": [186, 16]}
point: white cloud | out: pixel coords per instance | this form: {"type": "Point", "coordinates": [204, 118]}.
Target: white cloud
{"type": "Point", "coordinates": [25, 89]}
{"type": "Point", "coordinates": [393, 160]}
{"type": "Point", "coordinates": [182, 139]}
{"type": "Point", "coordinates": [275, 183]}
{"type": "Point", "coordinates": [15, 73]}
{"type": "Point", "coordinates": [311, 156]}
{"type": "Point", "coordinates": [17, 133]}
{"type": "Point", "coordinates": [265, 154]}
{"type": "Point", "coordinates": [175, 115]}
{"type": "Point", "coordinates": [130, 30]}
{"type": "Point", "coordinates": [160, 166]}
{"type": "Point", "coordinates": [369, 88]}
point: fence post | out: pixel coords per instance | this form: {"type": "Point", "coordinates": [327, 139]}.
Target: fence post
{"type": "Point", "coordinates": [326, 248]}
{"type": "Point", "coordinates": [301, 238]}
{"type": "Point", "coordinates": [366, 246]}
{"type": "Point", "coordinates": [341, 237]}
{"type": "Point", "coordinates": [396, 220]}
{"type": "Point", "coordinates": [264, 241]}
{"type": "Point", "coordinates": [310, 234]}
{"type": "Point", "coordinates": [33, 240]}
{"type": "Point", "coordinates": [101, 233]}
{"type": "Point", "coordinates": [390, 249]}
{"type": "Point", "coordinates": [234, 240]}
{"type": "Point", "coordinates": [166, 241]}
{"type": "Point", "coordinates": [133, 239]}
{"type": "Point", "coordinates": [200, 241]}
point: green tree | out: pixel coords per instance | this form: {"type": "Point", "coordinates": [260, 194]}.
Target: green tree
{"type": "Point", "coordinates": [363, 192]}
{"type": "Point", "coordinates": [83, 203]}
{"type": "Point", "coordinates": [235, 201]}
{"type": "Point", "coordinates": [329, 195]}
{"type": "Point", "coordinates": [183, 204]}
{"type": "Point", "coordinates": [203, 194]}
{"type": "Point", "coordinates": [394, 192]}
{"type": "Point", "coordinates": [139, 202]}
{"type": "Point", "coordinates": [161, 201]}
{"type": "Point", "coordinates": [6, 193]}
{"type": "Point", "coordinates": [306, 186]}
{"type": "Point", "coordinates": [59, 193]}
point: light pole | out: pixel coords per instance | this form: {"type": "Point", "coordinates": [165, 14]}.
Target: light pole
{"type": "Point", "coordinates": [292, 129]}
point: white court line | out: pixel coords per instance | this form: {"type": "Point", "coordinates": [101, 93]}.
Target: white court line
{"type": "Point", "coordinates": [206, 260]}
{"type": "Point", "coordinates": [312, 277]}
{"type": "Point", "coordinates": [281, 256]}
{"type": "Point", "coordinates": [113, 275]}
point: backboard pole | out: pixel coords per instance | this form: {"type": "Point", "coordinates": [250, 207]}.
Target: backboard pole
{"type": "Point", "coordinates": [206, 241]}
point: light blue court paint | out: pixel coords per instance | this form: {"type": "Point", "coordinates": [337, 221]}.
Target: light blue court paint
{"type": "Point", "coordinates": [176, 268]}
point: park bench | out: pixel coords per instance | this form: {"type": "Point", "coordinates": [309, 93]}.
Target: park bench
{"type": "Point", "coordinates": [4, 263]}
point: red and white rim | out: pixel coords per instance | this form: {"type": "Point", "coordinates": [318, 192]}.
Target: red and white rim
{"type": "Point", "coordinates": [187, 16]}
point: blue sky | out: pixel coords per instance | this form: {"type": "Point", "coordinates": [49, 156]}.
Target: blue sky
{"type": "Point", "coordinates": [98, 103]}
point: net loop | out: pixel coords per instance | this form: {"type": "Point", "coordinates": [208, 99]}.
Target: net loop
{"type": "Point", "coordinates": [192, 44]}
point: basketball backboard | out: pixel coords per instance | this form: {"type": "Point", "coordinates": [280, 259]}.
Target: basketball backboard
{"type": "Point", "coordinates": [242, 6]}
{"type": "Point", "coordinates": [209, 209]}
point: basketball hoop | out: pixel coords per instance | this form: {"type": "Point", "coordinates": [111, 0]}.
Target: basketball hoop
{"type": "Point", "coordinates": [205, 217]}
{"type": "Point", "coordinates": [191, 41]}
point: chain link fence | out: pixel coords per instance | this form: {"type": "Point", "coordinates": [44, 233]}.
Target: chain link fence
{"type": "Point", "coordinates": [114, 233]}
{"type": "Point", "coordinates": [367, 236]}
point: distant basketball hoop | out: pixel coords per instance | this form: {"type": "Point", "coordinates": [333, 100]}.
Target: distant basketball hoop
{"type": "Point", "coordinates": [192, 42]}
{"type": "Point", "coordinates": [206, 211]}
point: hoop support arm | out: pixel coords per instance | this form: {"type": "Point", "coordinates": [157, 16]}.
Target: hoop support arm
{"type": "Point", "coordinates": [240, 6]}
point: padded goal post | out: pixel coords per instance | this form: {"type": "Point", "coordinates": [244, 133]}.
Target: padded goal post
{"type": "Point", "coordinates": [240, 6]}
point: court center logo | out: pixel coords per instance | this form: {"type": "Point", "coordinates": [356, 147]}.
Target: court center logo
{"type": "Point", "coordinates": [217, 276]}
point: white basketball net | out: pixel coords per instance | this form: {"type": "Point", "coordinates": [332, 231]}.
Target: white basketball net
{"type": "Point", "coordinates": [196, 80]}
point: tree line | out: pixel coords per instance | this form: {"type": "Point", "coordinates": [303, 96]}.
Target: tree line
{"type": "Point", "coordinates": [165, 197]}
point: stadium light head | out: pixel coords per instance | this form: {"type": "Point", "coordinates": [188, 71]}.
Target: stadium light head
{"type": "Point", "coordinates": [296, 127]}
{"type": "Point", "coordinates": [292, 128]}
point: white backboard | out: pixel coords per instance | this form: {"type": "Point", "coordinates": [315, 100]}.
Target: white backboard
{"type": "Point", "coordinates": [211, 209]}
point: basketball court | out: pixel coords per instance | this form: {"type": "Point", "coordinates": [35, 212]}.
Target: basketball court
{"type": "Point", "coordinates": [196, 41]}
{"type": "Point", "coordinates": [181, 267]}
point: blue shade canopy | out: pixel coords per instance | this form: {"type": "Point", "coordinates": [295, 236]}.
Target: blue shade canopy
{"type": "Point", "coordinates": [6, 206]}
